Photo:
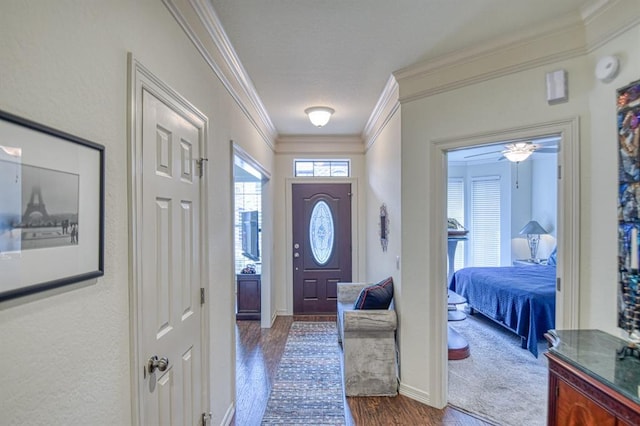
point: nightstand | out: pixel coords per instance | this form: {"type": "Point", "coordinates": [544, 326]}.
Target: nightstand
{"type": "Point", "coordinates": [529, 262]}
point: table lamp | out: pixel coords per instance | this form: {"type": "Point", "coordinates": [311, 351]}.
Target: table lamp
{"type": "Point", "coordinates": [533, 230]}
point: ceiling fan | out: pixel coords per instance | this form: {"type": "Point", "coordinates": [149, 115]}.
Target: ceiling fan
{"type": "Point", "coordinates": [520, 151]}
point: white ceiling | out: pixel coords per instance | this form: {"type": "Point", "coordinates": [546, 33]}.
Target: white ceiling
{"type": "Point", "coordinates": [341, 53]}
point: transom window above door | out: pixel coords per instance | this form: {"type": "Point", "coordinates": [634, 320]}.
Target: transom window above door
{"type": "Point", "coordinates": [322, 168]}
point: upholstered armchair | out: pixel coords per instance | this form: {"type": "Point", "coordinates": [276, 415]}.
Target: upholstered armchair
{"type": "Point", "coordinates": [369, 345]}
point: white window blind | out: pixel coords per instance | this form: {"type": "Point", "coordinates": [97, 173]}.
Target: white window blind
{"type": "Point", "coordinates": [485, 221]}
{"type": "Point", "coordinates": [455, 210]}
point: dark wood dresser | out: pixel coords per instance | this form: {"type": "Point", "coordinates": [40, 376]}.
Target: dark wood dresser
{"type": "Point", "coordinates": [588, 383]}
{"type": "Point", "coordinates": [248, 297]}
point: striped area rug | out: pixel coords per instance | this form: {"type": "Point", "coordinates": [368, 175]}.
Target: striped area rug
{"type": "Point", "coordinates": [308, 386]}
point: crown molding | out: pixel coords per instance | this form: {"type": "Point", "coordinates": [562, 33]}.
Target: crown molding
{"type": "Point", "coordinates": [565, 38]}
{"type": "Point", "coordinates": [490, 61]}
{"type": "Point", "coordinates": [200, 22]}
{"type": "Point", "coordinates": [387, 105]}
{"type": "Point", "coordinates": [325, 145]}
{"type": "Point", "coordinates": [589, 11]}
{"type": "Point", "coordinates": [491, 48]}
{"type": "Point", "coordinates": [490, 75]}
{"type": "Point", "coordinates": [609, 20]}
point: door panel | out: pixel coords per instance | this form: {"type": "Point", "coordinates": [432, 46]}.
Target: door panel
{"type": "Point", "coordinates": [171, 312]}
{"type": "Point", "coordinates": [321, 245]}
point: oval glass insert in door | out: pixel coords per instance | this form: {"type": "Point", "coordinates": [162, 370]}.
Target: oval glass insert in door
{"type": "Point", "coordinates": [321, 232]}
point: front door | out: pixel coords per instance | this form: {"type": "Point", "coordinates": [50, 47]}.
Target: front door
{"type": "Point", "coordinates": [321, 245]}
{"type": "Point", "coordinates": [171, 313]}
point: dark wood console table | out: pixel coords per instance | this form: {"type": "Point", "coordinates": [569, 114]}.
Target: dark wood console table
{"type": "Point", "coordinates": [248, 297]}
{"type": "Point", "coordinates": [588, 384]}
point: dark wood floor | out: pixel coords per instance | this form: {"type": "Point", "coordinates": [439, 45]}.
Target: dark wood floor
{"type": "Point", "coordinates": [258, 354]}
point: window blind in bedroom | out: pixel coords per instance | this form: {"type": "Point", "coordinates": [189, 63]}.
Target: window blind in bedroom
{"type": "Point", "coordinates": [485, 221]}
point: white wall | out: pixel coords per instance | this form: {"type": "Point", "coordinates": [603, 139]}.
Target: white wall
{"type": "Point", "coordinates": [515, 100]}
{"type": "Point", "coordinates": [64, 64]}
{"type": "Point", "coordinates": [383, 186]}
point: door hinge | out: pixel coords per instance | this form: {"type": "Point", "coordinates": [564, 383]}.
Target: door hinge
{"type": "Point", "coordinates": [205, 418]}
{"type": "Point", "coordinates": [558, 287]}
{"type": "Point", "coordinates": [202, 295]}
{"type": "Point", "coordinates": [559, 172]}
{"type": "Point", "coordinates": [200, 162]}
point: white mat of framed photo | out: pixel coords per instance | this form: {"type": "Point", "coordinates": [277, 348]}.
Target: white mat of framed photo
{"type": "Point", "coordinates": [52, 208]}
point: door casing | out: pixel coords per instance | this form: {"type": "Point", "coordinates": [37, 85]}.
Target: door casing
{"type": "Point", "coordinates": [567, 299]}
{"type": "Point", "coordinates": [141, 79]}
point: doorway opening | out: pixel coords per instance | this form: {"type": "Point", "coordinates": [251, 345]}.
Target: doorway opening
{"type": "Point", "coordinates": [248, 189]}
{"type": "Point", "coordinates": [493, 198]}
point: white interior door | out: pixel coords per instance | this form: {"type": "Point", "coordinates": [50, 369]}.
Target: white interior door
{"type": "Point", "coordinates": [171, 313]}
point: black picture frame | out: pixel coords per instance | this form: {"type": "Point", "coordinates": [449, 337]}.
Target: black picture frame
{"type": "Point", "coordinates": [51, 208]}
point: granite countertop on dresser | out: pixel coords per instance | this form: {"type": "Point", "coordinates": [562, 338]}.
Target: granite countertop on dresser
{"type": "Point", "coordinates": [596, 353]}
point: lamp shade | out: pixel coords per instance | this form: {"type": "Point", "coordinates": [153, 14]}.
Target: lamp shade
{"type": "Point", "coordinates": [532, 227]}
{"type": "Point", "coordinates": [319, 115]}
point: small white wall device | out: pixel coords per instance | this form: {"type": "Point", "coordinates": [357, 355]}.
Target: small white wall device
{"type": "Point", "coordinates": [557, 87]}
{"type": "Point", "coordinates": [607, 68]}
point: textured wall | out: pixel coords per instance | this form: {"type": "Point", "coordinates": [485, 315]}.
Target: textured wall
{"type": "Point", "coordinates": [64, 64]}
{"type": "Point", "coordinates": [383, 186]}
{"type": "Point", "coordinates": [508, 102]}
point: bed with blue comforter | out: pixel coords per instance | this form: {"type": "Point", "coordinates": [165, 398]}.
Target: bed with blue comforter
{"type": "Point", "coordinates": [521, 298]}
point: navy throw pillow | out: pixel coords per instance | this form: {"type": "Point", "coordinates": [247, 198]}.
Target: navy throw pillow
{"type": "Point", "coordinates": [376, 296]}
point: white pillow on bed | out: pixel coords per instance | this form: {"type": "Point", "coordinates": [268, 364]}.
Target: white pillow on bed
{"type": "Point", "coordinates": [553, 257]}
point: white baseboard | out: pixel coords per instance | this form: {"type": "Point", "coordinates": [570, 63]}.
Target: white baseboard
{"type": "Point", "coordinates": [414, 393]}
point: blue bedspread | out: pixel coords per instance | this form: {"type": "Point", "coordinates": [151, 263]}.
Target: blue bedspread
{"type": "Point", "coordinates": [522, 298]}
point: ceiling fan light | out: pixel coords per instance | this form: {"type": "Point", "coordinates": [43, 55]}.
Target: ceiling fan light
{"type": "Point", "coordinates": [319, 115]}
{"type": "Point", "coordinates": [517, 156]}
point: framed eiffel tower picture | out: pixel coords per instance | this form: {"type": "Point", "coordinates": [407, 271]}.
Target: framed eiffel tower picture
{"type": "Point", "coordinates": [51, 208]}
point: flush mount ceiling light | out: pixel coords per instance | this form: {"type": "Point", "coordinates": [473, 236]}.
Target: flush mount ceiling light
{"type": "Point", "coordinates": [520, 151]}
{"type": "Point", "coordinates": [319, 115]}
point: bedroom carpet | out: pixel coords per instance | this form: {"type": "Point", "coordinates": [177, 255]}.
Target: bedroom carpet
{"type": "Point", "coordinates": [308, 385]}
{"type": "Point", "coordinates": [500, 381]}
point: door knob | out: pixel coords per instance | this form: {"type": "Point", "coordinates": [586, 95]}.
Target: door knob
{"type": "Point", "coordinates": [161, 364]}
